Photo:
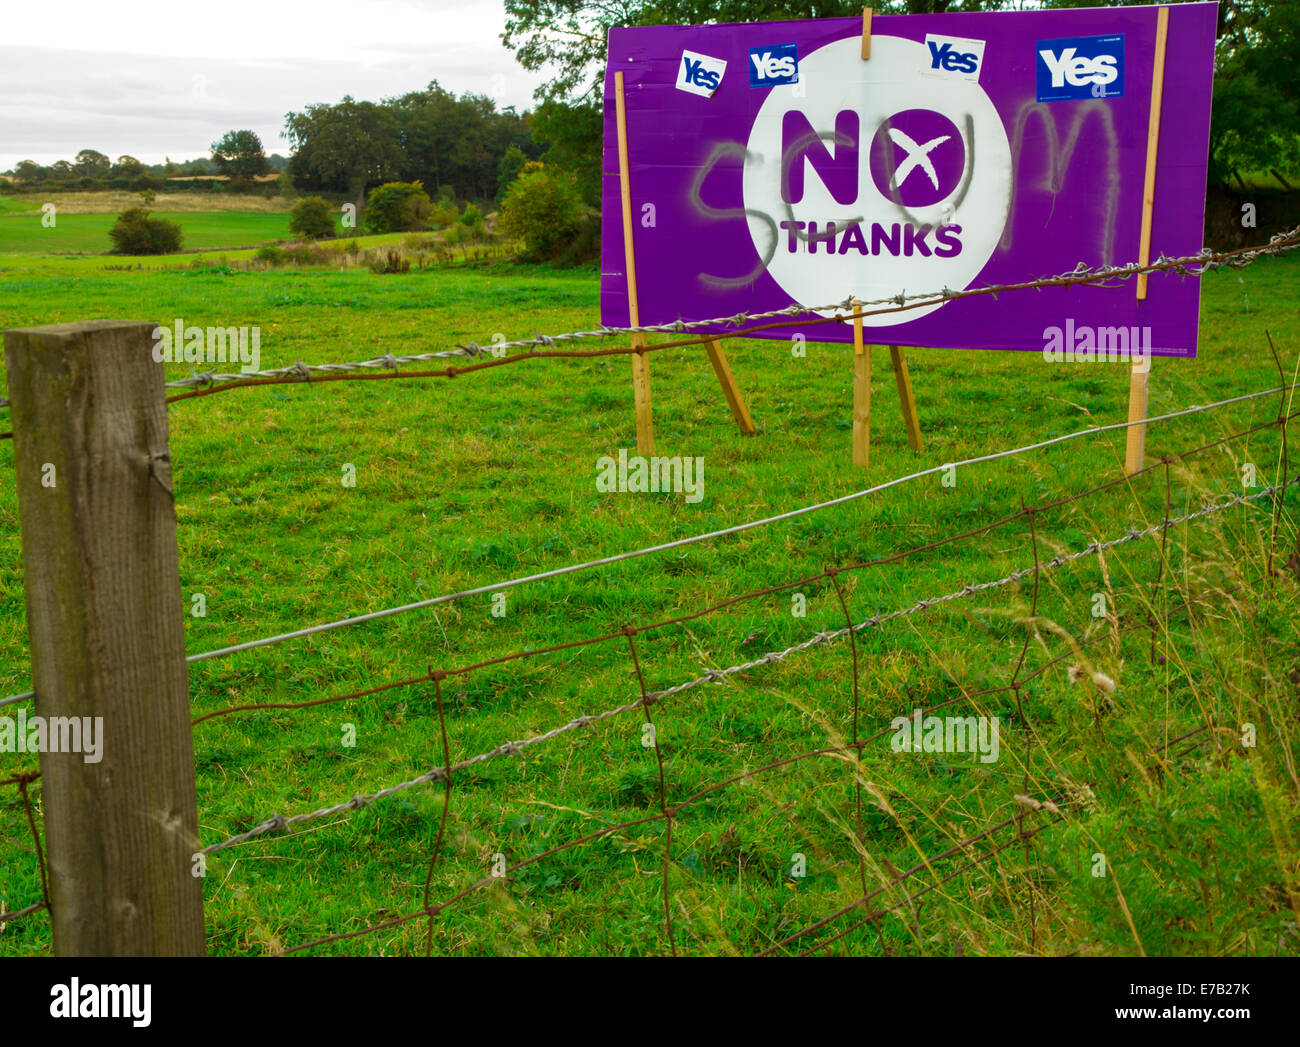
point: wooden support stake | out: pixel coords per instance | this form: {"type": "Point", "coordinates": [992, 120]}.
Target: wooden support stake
{"type": "Point", "coordinates": [1139, 380]}
{"type": "Point", "coordinates": [105, 617]}
{"type": "Point", "coordinates": [866, 33]}
{"type": "Point", "coordinates": [861, 393]}
{"type": "Point", "coordinates": [906, 398]}
{"type": "Point", "coordinates": [645, 436]}
{"type": "Point", "coordinates": [729, 388]}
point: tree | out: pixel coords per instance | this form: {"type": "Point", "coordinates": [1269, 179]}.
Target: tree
{"type": "Point", "coordinates": [542, 208]}
{"type": "Point", "coordinates": [240, 153]}
{"type": "Point", "coordinates": [1256, 122]}
{"type": "Point", "coordinates": [457, 142]}
{"type": "Point", "coordinates": [135, 232]}
{"type": "Point", "coordinates": [398, 207]}
{"type": "Point", "coordinates": [312, 218]}
{"type": "Point", "coordinates": [127, 167]}
{"type": "Point", "coordinates": [573, 134]}
{"type": "Point", "coordinates": [569, 36]}
{"type": "Point", "coordinates": [1256, 119]}
{"type": "Point", "coordinates": [92, 164]}
{"type": "Point", "coordinates": [512, 162]}
{"type": "Point", "coordinates": [29, 171]}
{"type": "Point", "coordinates": [349, 147]}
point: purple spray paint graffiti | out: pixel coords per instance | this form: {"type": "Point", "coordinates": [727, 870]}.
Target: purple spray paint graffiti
{"type": "Point", "coordinates": [932, 165]}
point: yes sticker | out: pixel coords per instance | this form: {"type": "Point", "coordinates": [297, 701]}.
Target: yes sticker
{"type": "Point", "coordinates": [1080, 67]}
{"type": "Point", "coordinates": [954, 56]}
{"type": "Point", "coordinates": [772, 66]}
{"type": "Point", "coordinates": [700, 74]}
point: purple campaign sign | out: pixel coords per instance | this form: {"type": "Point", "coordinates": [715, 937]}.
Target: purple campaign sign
{"type": "Point", "coordinates": [770, 165]}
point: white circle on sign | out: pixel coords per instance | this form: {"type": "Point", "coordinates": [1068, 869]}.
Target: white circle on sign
{"type": "Point", "coordinates": [931, 150]}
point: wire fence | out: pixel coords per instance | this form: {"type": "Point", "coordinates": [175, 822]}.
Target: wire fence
{"type": "Point", "coordinates": [1037, 808]}
{"type": "Point", "coordinates": [671, 809]}
{"type": "Point", "coordinates": [1038, 804]}
{"type": "Point", "coordinates": [739, 325]}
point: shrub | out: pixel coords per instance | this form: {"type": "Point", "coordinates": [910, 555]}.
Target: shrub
{"type": "Point", "coordinates": [312, 218]}
{"type": "Point", "coordinates": [442, 215]}
{"type": "Point", "coordinates": [542, 208]}
{"type": "Point", "coordinates": [270, 254]}
{"type": "Point", "coordinates": [397, 207]}
{"type": "Point", "coordinates": [390, 261]}
{"type": "Point", "coordinates": [135, 232]}
{"type": "Point", "coordinates": [583, 246]}
{"type": "Point", "coordinates": [471, 217]}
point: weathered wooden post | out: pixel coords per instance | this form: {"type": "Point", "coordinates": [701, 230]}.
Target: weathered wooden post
{"type": "Point", "coordinates": [104, 613]}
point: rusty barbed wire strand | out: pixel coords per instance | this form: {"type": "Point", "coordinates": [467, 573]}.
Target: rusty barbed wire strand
{"type": "Point", "coordinates": [1052, 806]}
{"type": "Point", "coordinates": [386, 366]}
{"type": "Point", "coordinates": [1030, 631]}
{"type": "Point", "coordinates": [1020, 836]}
{"type": "Point", "coordinates": [857, 770]}
{"type": "Point", "coordinates": [21, 782]}
{"type": "Point", "coordinates": [18, 914]}
{"type": "Point", "coordinates": [844, 312]}
{"type": "Point", "coordinates": [211, 382]}
{"type": "Point", "coordinates": [630, 633]}
{"type": "Point", "coordinates": [511, 748]}
{"type": "Point", "coordinates": [1286, 469]}
{"type": "Point", "coordinates": [437, 678]}
{"type": "Point", "coordinates": [1278, 491]}
{"type": "Point", "coordinates": [710, 535]}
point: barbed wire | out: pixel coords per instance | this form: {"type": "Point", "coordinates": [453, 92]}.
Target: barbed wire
{"type": "Point", "coordinates": [511, 583]}
{"type": "Point", "coordinates": [21, 782]}
{"type": "Point", "coordinates": [735, 325]}
{"type": "Point", "coordinates": [825, 637]}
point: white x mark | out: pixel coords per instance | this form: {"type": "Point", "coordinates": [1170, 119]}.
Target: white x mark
{"type": "Point", "coordinates": [917, 156]}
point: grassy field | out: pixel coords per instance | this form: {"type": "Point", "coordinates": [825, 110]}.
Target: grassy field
{"type": "Point", "coordinates": [491, 476]}
{"type": "Point", "coordinates": [88, 233]}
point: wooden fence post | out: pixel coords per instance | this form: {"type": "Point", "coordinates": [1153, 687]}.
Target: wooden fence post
{"type": "Point", "coordinates": [104, 613]}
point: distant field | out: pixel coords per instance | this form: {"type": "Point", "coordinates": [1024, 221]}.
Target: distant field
{"type": "Point", "coordinates": [113, 201]}
{"type": "Point", "coordinates": [75, 234]}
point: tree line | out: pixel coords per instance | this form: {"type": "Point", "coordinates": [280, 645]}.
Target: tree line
{"type": "Point", "coordinates": [1255, 126]}
{"type": "Point", "coordinates": [457, 147]}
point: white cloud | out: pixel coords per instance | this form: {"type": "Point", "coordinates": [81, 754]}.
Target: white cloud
{"type": "Point", "coordinates": [169, 79]}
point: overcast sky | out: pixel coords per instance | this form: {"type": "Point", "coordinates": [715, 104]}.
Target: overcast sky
{"type": "Point", "coordinates": [159, 78]}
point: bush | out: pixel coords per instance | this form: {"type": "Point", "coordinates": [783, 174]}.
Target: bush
{"type": "Point", "coordinates": [471, 217]}
{"type": "Point", "coordinates": [442, 215]}
{"type": "Point", "coordinates": [135, 232]}
{"type": "Point", "coordinates": [270, 254]}
{"type": "Point", "coordinates": [543, 209]}
{"type": "Point", "coordinates": [398, 207]}
{"type": "Point", "coordinates": [312, 218]}
{"type": "Point", "coordinates": [583, 247]}
{"type": "Point", "coordinates": [390, 261]}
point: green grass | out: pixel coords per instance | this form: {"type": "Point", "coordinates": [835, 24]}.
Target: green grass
{"type": "Point", "coordinates": [88, 233]}
{"type": "Point", "coordinates": [489, 476]}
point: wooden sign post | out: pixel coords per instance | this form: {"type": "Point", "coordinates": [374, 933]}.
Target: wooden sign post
{"type": "Point", "coordinates": [645, 440]}
{"type": "Point", "coordinates": [1139, 380]}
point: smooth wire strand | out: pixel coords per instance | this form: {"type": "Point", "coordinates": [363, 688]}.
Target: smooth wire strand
{"type": "Point", "coordinates": [512, 748]}
{"type": "Point", "coordinates": [223, 652]}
